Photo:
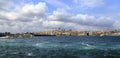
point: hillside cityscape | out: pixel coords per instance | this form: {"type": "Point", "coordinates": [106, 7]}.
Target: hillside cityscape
{"type": "Point", "coordinates": [61, 32]}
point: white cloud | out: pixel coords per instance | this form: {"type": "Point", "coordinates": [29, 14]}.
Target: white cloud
{"type": "Point", "coordinates": [35, 9]}
{"type": "Point", "coordinates": [34, 17]}
{"type": "Point", "coordinates": [29, 17]}
{"type": "Point", "coordinates": [10, 15]}
{"type": "Point", "coordinates": [83, 20]}
{"type": "Point", "coordinates": [117, 24]}
{"type": "Point", "coordinates": [52, 23]}
{"type": "Point", "coordinates": [4, 4]}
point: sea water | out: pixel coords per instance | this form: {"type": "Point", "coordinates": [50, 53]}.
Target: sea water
{"type": "Point", "coordinates": [61, 47]}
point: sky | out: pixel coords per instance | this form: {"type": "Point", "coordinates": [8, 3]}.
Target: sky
{"type": "Point", "coordinates": [41, 15]}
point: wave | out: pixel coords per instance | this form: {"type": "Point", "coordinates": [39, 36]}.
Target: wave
{"type": "Point", "coordinates": [52, 45]}
{"type": "Point", "coordinates": [84, 46]}
{"type": "Point", "coordinates": [7, 40]}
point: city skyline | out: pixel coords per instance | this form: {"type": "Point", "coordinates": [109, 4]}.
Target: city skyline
{"type": "Point", "coordinates": [40, 15]}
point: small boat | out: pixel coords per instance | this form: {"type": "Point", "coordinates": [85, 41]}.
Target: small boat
{"type": "Point", "coordinates": [5, 37]}
{"type": "Point", "coordinates": [102, 35]}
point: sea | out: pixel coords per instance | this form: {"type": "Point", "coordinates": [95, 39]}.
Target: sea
{"type": "Point", "coordinates": [61, 47]}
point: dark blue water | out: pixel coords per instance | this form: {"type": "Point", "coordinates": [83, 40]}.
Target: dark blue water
{"type": "Point", "coordinates": [61, 47]}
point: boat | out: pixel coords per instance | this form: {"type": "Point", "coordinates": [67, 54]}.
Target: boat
{"type": "Point", "coordinates": [102, 35]}
{"type": "Point", "coordinates": [5, 37]}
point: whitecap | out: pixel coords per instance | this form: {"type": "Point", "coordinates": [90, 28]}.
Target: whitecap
{"type": "Point", "coordinates": [29, 54]}
{"type": "Point", "coordinates": [85, 46]}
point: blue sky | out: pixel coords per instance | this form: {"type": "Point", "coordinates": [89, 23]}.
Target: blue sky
{"type": "Point", "coordinates": [39, 15]}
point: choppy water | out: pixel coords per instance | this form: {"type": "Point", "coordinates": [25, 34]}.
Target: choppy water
{"type": "Point", "coordinates": [61, 47]}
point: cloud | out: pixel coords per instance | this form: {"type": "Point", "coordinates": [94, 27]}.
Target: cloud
{"type": "Point", "coordinates": [4, 4]}
{"type": "Point", "coordinates": [83, 20]}
{"type": "Point", "coordinates": [34, 9]}
{"type": "Point", "coordinates": [25, 12]}
{"type": "Point", "coordinates": [117, 25]}
{"type": "Point", "coordinates": [29, 17]}
{"type": "Point", "coordinates": [57, 3]}
{"type": "Point", "coordinates": [86, 4]}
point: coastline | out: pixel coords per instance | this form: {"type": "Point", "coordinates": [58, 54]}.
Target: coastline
{"type": "Point", "coordinates": [61, 33]}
